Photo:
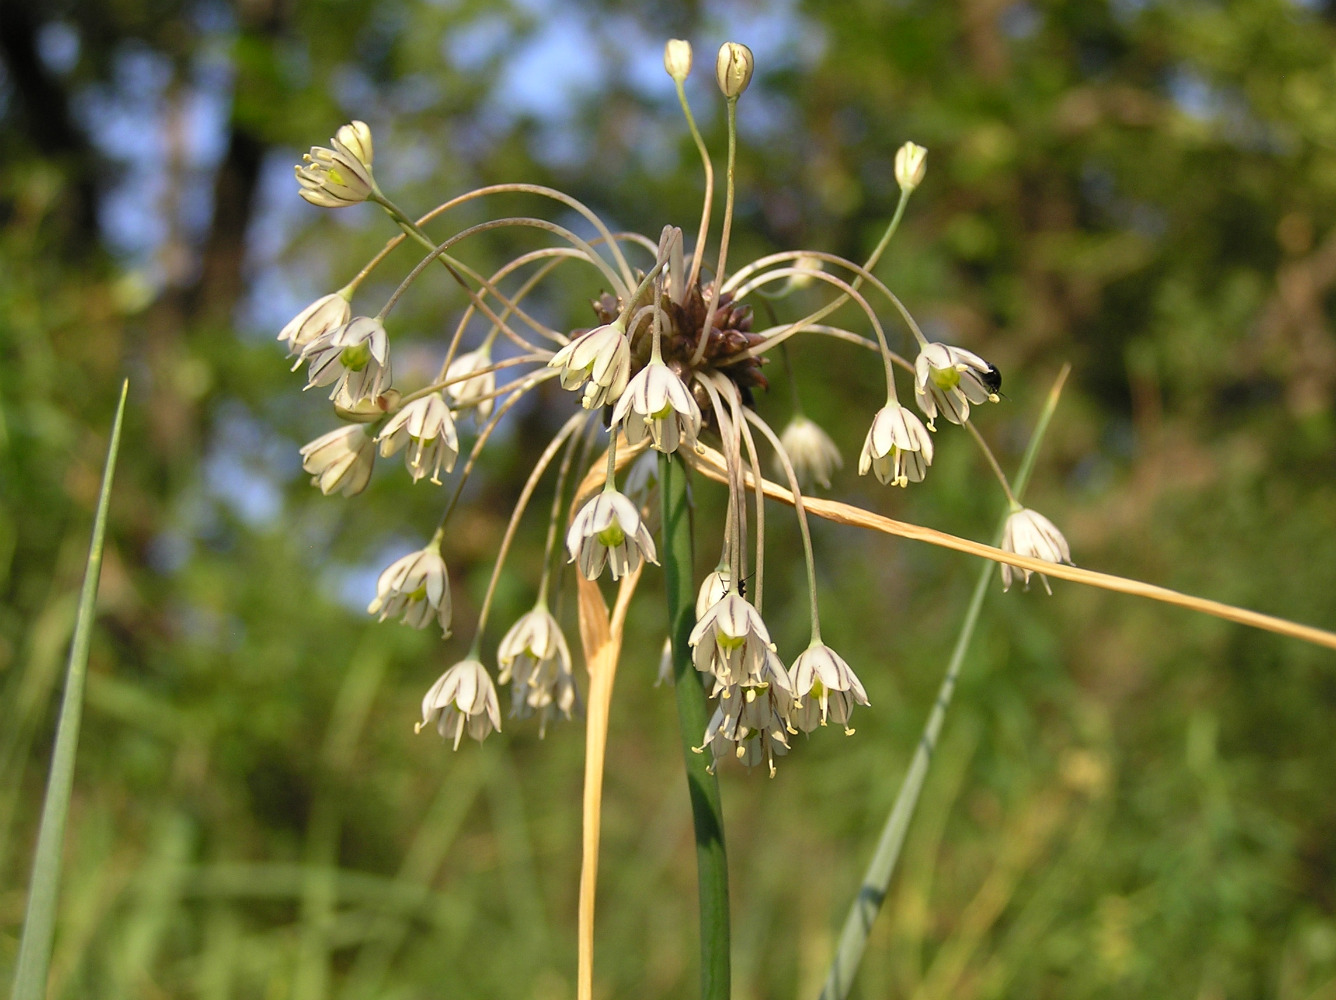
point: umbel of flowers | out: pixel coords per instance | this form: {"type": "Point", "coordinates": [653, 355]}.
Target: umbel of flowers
{"type": "Point", "coordinates": [671, 363]}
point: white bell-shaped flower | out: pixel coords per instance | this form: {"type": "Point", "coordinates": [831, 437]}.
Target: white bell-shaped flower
{"type": "Point", "coordinates": [949, 379]}
{"type": "Point", "coordinates": [325, 315]}
{"type": "Point", "coordinates": [426, 427]}
{"type": "Point", "coordinates": [811, 451]}
{"type": "Point", "coordinates": [898, 448]}
{"type": "Point", "coordinates": [416, 588]}
{"type": "Point", "coordinates": [1030, 533]}
{"type": "Point", "coordinates": [469, 391]}
{"type": "Point", "coordinates": [340, 461]}
{"type": "Point", "coordinates": [600, 361]}
{"type": "Point", "coordinates": [825, 687]}
{"type": "Point", "coordinates": [730, 643]}
{"type": "Point", "coordinates": [463, 698]}
{"type": "Point", "coordinates": [659, 405]}
{"type": "Point", "coordinates": [608, 529]}
{"type": "Point", "coordinates": [355, 357]}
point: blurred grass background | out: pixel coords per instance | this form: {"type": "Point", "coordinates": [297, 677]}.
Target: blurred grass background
{"type": "Point", "coordinates": [1128, 801]}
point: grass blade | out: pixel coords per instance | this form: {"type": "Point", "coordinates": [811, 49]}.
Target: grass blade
{"type": "Point", "coordinates": [877, 878]}
{"type": "Point", "coordinates": [39, 921]}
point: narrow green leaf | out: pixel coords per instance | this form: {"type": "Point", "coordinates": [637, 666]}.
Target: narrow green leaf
{"type": "Point", "coordinates": [877, 877]}
{"type": "Point", "coordinates": [34, 958]}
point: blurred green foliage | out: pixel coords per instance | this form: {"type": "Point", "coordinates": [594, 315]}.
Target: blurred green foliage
{"type": "Point", "coordinates": [1128, 801]}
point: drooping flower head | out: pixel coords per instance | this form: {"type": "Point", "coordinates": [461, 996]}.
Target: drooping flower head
{"type": "Point", "coordinates": [1030, 533]}
{"type": "Point", "coordinates": [415, 588]}
{"type": "Point", "coordinates": [462, 699]}
{"type": "Point", "coordinates": [672, 357]}
{"type": "Point", "coordinates": [898, 448]}
{"type": "Point", "coordinates": [608, 530]}
{"type": "Point", "coordinates": [427, 428]}
{"type": "Point", "coordinates": [949, 379]}
{"type": "Point", "coordinates": [340, 461]}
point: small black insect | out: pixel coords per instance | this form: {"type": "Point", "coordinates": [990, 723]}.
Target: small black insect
{"type": "Point", "coordinates": [992, 380]}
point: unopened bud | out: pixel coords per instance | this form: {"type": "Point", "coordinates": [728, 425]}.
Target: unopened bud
{"type": "Point", "coordinates": [677, 58]}
{"type": "Point", "coordinates": [733, 68]}
{"type": "Point", "coordinates": [805, 267]}
{"type": "Point", "coordinates": [365, 411]}
{"type": "Point", "coordinates": [910, 165]}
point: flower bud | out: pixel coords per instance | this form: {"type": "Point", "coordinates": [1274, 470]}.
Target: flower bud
{"type": "Point", "coordinates": [910, 165]}
{"type": "Point", "coordinates": [806, 268]}
{"type": "Point", "coordinates": [677, 58]}
{"type": "Point", "coordinates": [733, 68]}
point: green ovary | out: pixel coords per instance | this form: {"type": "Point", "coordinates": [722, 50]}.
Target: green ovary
{"type": "Point", "coordinates": [612, 536]}
{"type": "Point", "coordinates": [355, 357]}
{"type": "Point", "coordinates": [945, 378]}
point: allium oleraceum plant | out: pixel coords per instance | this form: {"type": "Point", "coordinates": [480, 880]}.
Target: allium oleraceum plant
{"type": "Point", "coordinates": [671, 361]}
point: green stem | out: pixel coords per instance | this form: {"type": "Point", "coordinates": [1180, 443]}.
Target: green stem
{"type": "Point", "coordinates": [693, 712]}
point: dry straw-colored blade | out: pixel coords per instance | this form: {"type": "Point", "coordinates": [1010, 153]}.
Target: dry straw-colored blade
{"type": "Point", "coordinates": [601, 638]}
{"type": "Point", "coordinates": [710, 463]}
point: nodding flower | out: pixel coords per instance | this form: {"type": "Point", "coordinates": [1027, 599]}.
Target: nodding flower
{"type": "Point", "coordinates": [1030, 533]}
{"type": "Point", "coordinates": [340, 176]}
{"type": "Point", "coordinates": [609, 531]}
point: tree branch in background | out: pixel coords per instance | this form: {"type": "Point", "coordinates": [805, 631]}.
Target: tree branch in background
{"type": "Point", "coordinates": [44, 116]}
